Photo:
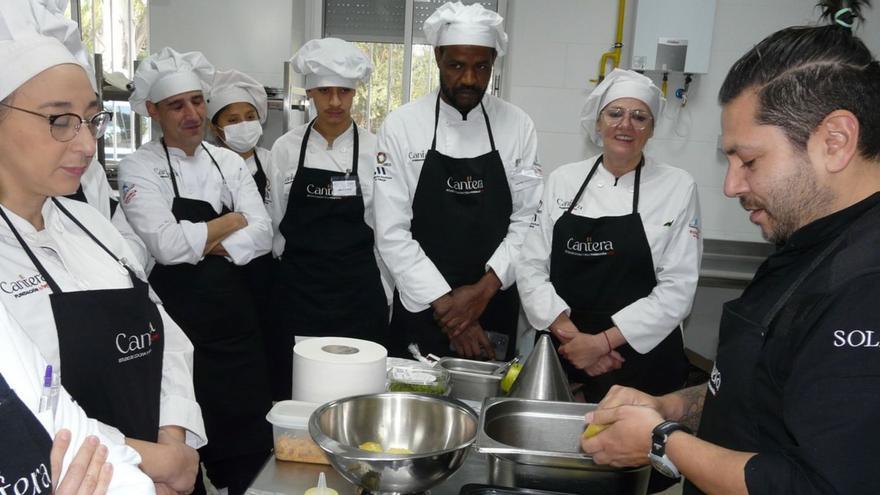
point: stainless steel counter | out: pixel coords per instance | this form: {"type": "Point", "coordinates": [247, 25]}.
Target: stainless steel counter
{"type": "Point", "coordinates": [294, 478]}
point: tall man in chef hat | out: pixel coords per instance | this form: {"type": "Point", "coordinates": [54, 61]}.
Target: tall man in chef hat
{"type": "Point", "coordinates": [456, 185]}
{"type": "Point", "coordinates": [197, 208]}
{"type": "Point", "coordinates": [331, 281]}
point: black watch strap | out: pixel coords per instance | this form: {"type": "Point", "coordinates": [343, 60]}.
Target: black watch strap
{"type": "Point", "coordinates": [661, 433]}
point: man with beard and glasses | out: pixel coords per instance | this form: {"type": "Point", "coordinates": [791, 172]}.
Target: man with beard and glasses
{"type": "Point", "coordinates": [792, 400]}
{"type": "Point", "coordinates": [456, 184]}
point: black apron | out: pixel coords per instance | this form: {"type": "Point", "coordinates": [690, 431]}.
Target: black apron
{"type": "Point", "coordinates": [24, 459]}
{"type": "Point", "coordinates": [211, 304]}
{"type": "Point", "coordinates": [260, 175]}
{"type": "Point", "coordinates": [111, 346]}
{"type": "Point", "coordinates": [328, 282]}
{"type": "Point", "coordinates": [461, 213]}
{"type": "Point", "coordinates": [599, 266]}
{"type": "Point", "coordinates": [260, 275]}
{"type": "Point", "coordinates": [729, 410]}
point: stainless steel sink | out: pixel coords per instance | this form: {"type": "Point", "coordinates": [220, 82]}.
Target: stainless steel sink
{"type": "Point", "coordinates": [536, 444]}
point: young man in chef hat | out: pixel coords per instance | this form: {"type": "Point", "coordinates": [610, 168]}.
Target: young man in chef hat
{"type": "Point", "coordinates": [331, 281]}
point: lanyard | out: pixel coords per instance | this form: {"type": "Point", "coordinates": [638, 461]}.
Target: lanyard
{"type": "Point", "coordinates": [305, 143]}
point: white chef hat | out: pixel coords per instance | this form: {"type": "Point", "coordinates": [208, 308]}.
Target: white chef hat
{"type": "Point", "coordinates": [457, 24]}
{"type": "Point", "coordinates": [169, 73]}
{"type": "Point", "coordinates": [620, 83]}
{"type": "Point", "coordinates": [232, 86]}
{"type": "Point", "coordinates": [331, 62]}
{"type": "Point", "coordinates": [34, 36]}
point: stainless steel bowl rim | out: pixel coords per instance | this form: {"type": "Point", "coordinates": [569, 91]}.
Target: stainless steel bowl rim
{"type": "Point", "coordinates": [335, 447]}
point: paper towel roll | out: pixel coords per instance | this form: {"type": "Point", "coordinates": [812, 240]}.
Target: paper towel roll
{"type": "Point", "coordinates": [329, 368]}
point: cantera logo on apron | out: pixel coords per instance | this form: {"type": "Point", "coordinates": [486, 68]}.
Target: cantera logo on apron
{"type": "Point", "coordinates": [24, 286]}
{"type": "Point", "coordinates": [321, 192]}
{"type": "Point", "coordinates": [589, 247]}
{"type": "Point", "coordinates": [40, 480]}
{"type": "Point", "coordinates": [564, 204]}
{"type": "Point", "coordinates": [416, 156]}
{"type": "Point", "coordinates": [136, 346]}
{"type": "Point", "coordinates": [467, 186]}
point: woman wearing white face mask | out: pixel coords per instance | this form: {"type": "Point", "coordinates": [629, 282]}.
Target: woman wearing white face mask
{"type": "Point", "coordinates": [237, 109]}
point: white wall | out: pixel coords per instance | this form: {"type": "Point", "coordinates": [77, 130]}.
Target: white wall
{"type": "Point", "coordinates": [253, 36]}
{"type": "Point", "coordinates": [555, 47]}
{"type": "Point", "coordinates": [554, 51]}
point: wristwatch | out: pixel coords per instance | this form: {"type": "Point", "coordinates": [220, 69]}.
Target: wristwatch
{"type": "Point", "coordinates": [659, 460]}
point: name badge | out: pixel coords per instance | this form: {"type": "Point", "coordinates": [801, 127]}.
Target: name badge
{"type": "Point", "coordinates": [344, 186]}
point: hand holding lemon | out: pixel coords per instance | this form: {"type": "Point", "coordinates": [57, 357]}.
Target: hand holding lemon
{"type": "Point", "coordinates": [594, 429]}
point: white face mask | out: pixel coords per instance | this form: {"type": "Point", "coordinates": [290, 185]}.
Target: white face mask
{"type": "Point", "coordinates": [243, 136]}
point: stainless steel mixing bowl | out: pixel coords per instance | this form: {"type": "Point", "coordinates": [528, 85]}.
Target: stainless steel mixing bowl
{"type": "Point", "coordinates": [438, 430]}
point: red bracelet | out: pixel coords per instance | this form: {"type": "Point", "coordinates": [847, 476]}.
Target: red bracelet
{"type": "Point", "coordinates": [608, 340]}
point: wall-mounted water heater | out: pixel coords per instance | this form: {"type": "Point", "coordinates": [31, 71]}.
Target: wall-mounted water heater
{"type": "Point", "coordinates": [673, 35]}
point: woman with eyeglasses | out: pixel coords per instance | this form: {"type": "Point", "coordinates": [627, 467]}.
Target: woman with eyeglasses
{"type": "Point", "coordinates": [610, 264]}
{"type": "Point", "coordinates": [67, 276]}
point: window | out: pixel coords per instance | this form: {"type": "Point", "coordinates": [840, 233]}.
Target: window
{"type": "Point", "coordinates": [118, 30]}
{"type": "Point", "coordinates": [390, 32]}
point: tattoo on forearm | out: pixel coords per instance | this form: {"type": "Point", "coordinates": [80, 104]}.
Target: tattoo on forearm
{"type": "Point", "coordinates": [693, 399]}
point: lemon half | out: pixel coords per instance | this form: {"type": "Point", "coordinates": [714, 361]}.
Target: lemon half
{"type": "Point", "coordinates": [593, 429]}
{"type": "Point", "coordinates": [510, 377]}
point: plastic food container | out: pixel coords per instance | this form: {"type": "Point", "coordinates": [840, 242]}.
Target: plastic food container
{"type": "Point", "coordinates": [290, 429]}
{"type": "Point", "coordinates": [418, 379]}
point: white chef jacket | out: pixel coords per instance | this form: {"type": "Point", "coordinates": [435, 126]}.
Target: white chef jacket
{"type": "Point", "coordinates": [23, 367]}
{"type": "Point", "coordinates": [98, 192]}
{"type": "Point", "coordinates": [147, 195]}
{"type": "Point", "coordinates": [404, 139]}
{"type": "Point", "coordinates": [670, 214]}
{"type": "Point", "coordinates": [76, 263]}
{"type": "Point", "coordinates": [265, 161]}
{"type": "Point", "coordinates": [336, 158]}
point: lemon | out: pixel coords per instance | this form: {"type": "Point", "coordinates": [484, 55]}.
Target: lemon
{"type": "Point", "coordinates": [510, 377]}
{"type": "Point", "coordinates": [371, 447]}
{"type": "Point", "coordinates": [593, 429]}
{"type": "Point", "coordinates": [398, 450]}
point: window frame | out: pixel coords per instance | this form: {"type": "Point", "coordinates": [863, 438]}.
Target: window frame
{"type": "Point", "coordinates": [314, 28]}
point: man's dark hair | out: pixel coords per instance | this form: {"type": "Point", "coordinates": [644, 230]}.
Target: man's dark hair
{"type": "Point", "coordinates": [802, 74]}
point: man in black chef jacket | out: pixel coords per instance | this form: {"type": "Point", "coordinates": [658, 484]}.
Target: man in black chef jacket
{"type": "Point", "coordinates": [792, 403]}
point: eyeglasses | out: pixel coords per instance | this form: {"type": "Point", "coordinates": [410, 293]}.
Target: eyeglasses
{"type": "Point", "coordinates": [65, 126]}
{"type": "Point", "coordinates": [640, 119]}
